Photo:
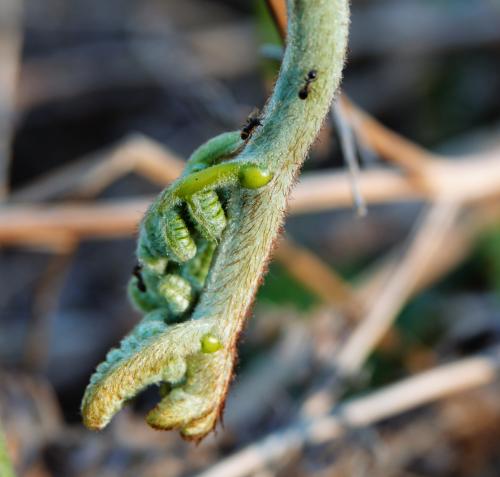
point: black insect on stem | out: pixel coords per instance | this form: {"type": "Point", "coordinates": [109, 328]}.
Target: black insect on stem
{"type": "Point", "coordinates": [309, 78]}
{"type": "Point", "coordinates": [140, 282]}
{"type": "Point", "coordinates": [253, 121]}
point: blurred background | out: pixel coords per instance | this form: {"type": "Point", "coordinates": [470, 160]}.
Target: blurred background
{"type": "Point", "coordinates": [99, 101]}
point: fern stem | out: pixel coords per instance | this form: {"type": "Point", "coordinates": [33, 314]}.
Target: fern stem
{"type": "Point", "coordinates": [317, 41]}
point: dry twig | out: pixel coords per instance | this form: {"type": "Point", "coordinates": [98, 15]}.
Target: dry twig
{"type": "Point", "coordinates": [475, 179]}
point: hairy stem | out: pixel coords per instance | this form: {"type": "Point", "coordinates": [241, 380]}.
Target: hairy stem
{"type": "Point", "coordinates": [317, 41]}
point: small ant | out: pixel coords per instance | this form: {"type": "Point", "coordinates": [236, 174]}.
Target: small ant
{"type": "Point", "coordinates": [136, 272]}
{"type": "Point", "coordinates": [253, 121]}
{"type": "Point", "coordinates": [310, 77]}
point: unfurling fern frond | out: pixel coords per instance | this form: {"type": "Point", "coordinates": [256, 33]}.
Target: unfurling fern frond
{"type": "Point", "coordinates": [205, 241]}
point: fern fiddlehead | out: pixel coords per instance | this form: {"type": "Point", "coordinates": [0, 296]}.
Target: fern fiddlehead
{"type": "Point", "coordinates": [203, 245]}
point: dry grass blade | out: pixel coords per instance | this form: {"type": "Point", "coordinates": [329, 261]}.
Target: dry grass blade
{"type": "Point", "coordinates": [347, 144]}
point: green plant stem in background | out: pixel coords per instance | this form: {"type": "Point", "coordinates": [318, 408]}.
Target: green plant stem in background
{"type": "Point", "coordinates": [196, 355]}
{"type": "Point", "coordinates": [6, 469]}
